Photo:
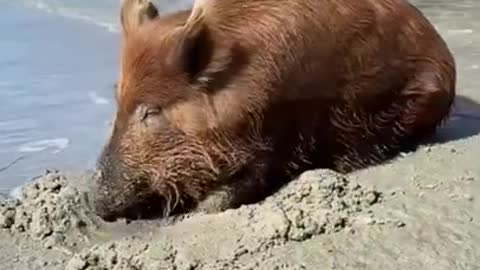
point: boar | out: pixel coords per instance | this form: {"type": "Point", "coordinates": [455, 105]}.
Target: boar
{"type": "Point", "coordinates": [220, 105]}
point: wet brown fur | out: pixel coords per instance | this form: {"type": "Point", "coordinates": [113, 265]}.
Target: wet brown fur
{"type": "Point", "coordinates": [243, 95]}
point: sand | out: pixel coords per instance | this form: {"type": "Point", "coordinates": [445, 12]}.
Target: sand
{"type": "Point", "coordinates": [419, 211]}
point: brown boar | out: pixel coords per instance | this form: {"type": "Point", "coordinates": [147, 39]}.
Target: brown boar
{"type": "Point", "coordinates": [233, 98]}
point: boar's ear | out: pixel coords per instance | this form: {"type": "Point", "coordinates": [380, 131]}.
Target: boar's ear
{"type": "Point", "coordinates": [133, 13]}
{"type": "Point", "coordinates": [196, 52]}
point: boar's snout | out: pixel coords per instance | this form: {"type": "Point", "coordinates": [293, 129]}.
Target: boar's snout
{"type": "Point", "coordinates": [115, 194]}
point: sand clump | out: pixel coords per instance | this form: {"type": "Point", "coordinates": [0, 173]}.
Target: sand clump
{"type": "Point", "coordinates": [48, 210]}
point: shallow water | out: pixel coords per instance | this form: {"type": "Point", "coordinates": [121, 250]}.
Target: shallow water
{"type": "Point", "coordinates": [56, 83]}
{"type": "Point", "coordinates": [58, 67]}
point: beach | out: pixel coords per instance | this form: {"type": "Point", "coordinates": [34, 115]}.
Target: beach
{"type": "Point", "coordinates": [418, 211]}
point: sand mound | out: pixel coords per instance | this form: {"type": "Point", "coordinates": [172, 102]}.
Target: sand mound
{"type": "Point", "coordinates": [53, 212]}
{"type": "Point", "coordinates": [319, 202]}
{"type": "Point", "coordinates": [48, 210]}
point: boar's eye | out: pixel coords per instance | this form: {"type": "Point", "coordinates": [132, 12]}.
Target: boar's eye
{"type": "Point", "coordinates": [147, 112]}
{"type": "Point", "coordinates": [151, 117]}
